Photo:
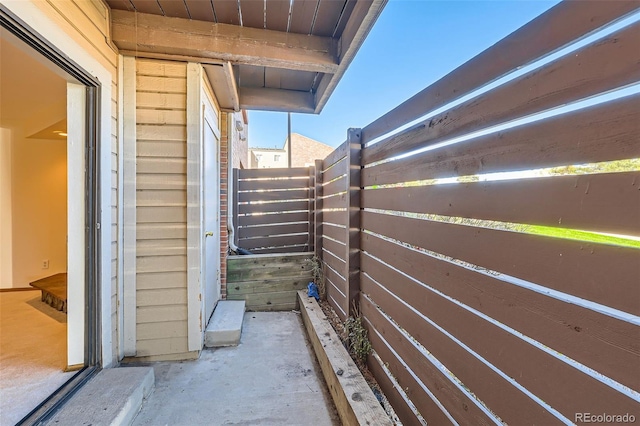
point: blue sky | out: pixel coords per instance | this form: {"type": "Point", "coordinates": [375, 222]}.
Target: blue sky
{"type": "Point", "coordinates": [413, 44]}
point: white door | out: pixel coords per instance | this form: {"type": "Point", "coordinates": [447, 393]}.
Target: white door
{"type": "Point", "coordinates": [210, 214]}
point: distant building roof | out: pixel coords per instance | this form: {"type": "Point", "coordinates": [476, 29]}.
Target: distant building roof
{"type": "Point", "coordinates": [304, 152]}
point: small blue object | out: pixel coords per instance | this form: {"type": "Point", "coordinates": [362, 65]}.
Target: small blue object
{"type": "Point", "coordinates": [312, 290]}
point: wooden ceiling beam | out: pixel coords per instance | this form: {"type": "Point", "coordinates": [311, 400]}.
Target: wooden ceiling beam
{"type": "Point", "coordinates": [147, 34]}
{"type": "Point", "coordinates": [252, 98]}
{"type": "Point", "coordinates": [231, 85]}
{"type": "Point", "coordinates": [223, 85]}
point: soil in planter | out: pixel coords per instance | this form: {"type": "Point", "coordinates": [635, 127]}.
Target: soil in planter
{"type": "Point", "coordinates": [340, 330]}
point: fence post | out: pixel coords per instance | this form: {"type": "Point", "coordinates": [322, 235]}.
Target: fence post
{"type": "Point", "coordinates": [312, 227]}
{"type": "Point", "coordinates": [317, 209]}
{"type": "Point", "coordinates": [236, 225]}
{"type": "Point", "coordinates": [354, 156]}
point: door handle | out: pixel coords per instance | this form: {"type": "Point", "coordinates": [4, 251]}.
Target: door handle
{"type": "Point", "coordinates": [208, 234]}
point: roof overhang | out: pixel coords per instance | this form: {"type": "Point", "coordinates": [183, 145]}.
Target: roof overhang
{"type": "Point", "coordinates": [271, 68]}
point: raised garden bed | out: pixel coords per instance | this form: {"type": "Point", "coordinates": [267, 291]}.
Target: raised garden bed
{"type": "Point", "coordinates": [268, 282]}
{"type": "Point", "coordinates": [352, 396]}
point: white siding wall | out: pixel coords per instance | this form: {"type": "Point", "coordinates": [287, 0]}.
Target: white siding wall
{"type": "Point", "coordinates": [161, 196]}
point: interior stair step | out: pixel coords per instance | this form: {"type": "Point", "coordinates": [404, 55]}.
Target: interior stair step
{"type": "Point", "coordinates": [226, 324]}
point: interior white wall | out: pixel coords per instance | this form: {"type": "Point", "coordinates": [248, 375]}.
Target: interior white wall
{"type": "Point", "coordinates": [39, 208]}
{"type": "Point", "coordinates": [5, 209]}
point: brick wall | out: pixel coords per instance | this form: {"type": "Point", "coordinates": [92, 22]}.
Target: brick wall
{"type": "Point", "coordinates": [304, 150]}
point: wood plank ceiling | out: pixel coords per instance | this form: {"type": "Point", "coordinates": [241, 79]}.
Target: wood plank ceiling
{"type": "Point", "coordinates": [286, 55]}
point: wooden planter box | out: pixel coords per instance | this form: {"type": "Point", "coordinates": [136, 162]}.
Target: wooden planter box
{"type": "Point", "coordinates": [352, 396]}
{"type": "Point", "coordinates": [268, 282]}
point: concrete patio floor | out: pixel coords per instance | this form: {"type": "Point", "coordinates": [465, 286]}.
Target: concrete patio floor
{"type": "Point", "coordinates": [271, 378]}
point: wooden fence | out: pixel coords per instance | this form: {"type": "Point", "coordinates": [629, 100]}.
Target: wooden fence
{"type": "Point", "coordinates": [272, 209]}
{"type": "Point", "coordinates": [482, 262]}
{"type": "Point", "coordinates": [481, 307]}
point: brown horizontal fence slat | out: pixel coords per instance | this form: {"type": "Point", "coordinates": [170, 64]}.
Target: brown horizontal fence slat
{"type": "Point", "coordinates": [334, 261]}
{"type": "Point", "coordinates": [380, 337]}
{"type": "Point", "coordinates": [300, 248]}
{"type": "Point", "coordinates": [399, 404]}
{"type": "Point", "coordinates": [267, 242]}
{"type": "Point", "coordinates": [566, 79]}
{"type": "Point", "coordinates": [602, 202]}
{"type": "Point", "coordinates": [337, 170]}
{"type": "Point", "coordinates": [338, 280]}
{"type": "Point", "coordinates": [460, 406]}
{"type": "Point", "coordinates": [295, 194]}
{"type": "Point", "coordinates": [335, 187]}
{"type": "Point", "coordinates": [271, 230]}
{"type": "Point", "coordinates": [338, 249]}
{"type": "Point", "coordinates": [570, 21]}
{"type": "Point", "coordinates": [336, 287]}
{"type": "Point", "coordinates": [337, 201]}
{"type": "Point", "coordinates": [273, 218]}
{"type": "Point", "coordinates": [336, 155]}
{"type": "Point", "coordinates": [597, 272]}
{"type": "Point", "coordinates": [257, 185]}
{"type": "Point", "coordinates": [559, 384]}
{"type": "Point", "coordinates": [338, 217]}
{"type": "Point", "coordinates": [273, 173]}
{"type": "Point", "coordinates": [477, 376]}
{"type": "Point", "coordinates": [603, 132]}
{"type": "Point", "coordinates": [604, 343]}
{"type": "Point", "coordinates": [277, 207]}
{"type": "Point", "coordinates": [335, 232]}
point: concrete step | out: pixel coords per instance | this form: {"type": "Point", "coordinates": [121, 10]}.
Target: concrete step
{"type": "Point", "coordinates": [113, 397]}
{"type": "Point", "coordinates": [226, 324]}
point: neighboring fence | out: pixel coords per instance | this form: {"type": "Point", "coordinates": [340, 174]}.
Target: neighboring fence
{"type": "Point", "coordinates": [272, 209]}
{"type": "Point", "coordinates": [474, 316]}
